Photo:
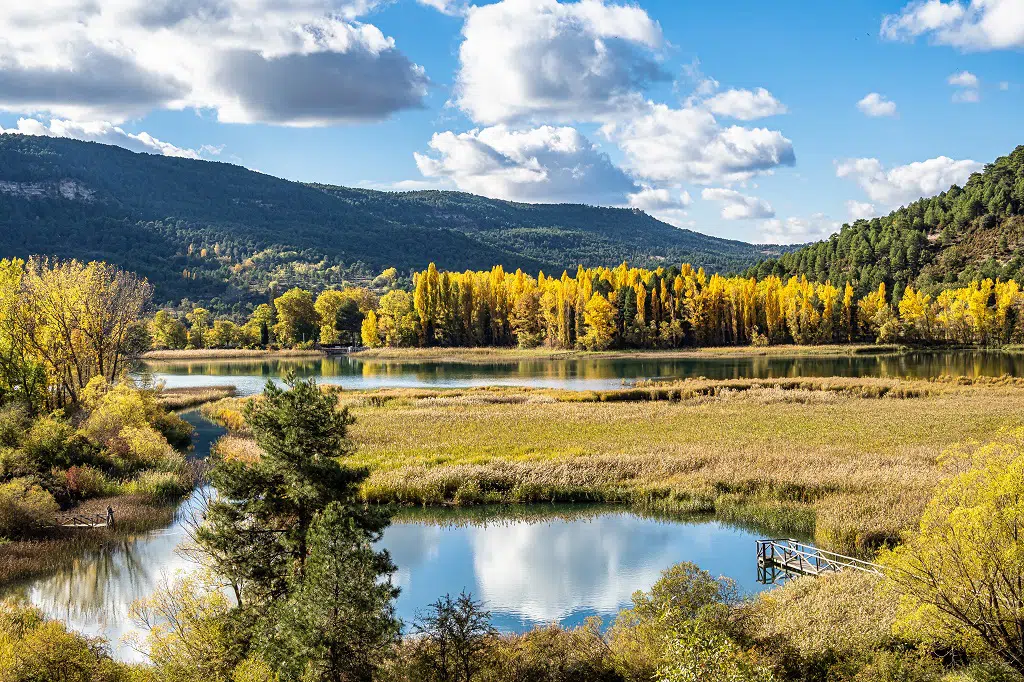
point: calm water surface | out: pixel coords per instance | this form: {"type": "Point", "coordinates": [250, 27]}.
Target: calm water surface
{"type": "Point", "coordinates": [577, 373]}
{"type": "Point", "coordinates": [531, 566]}
{"type": "Point", "coordinates": [561, 564]}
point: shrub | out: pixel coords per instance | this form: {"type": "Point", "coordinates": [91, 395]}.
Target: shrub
{"type": "Point", "coordinates": [84, 482]}
{"type": "Point", "coordinates": [13, 424]}
{"type": "Point", "coordinates": [49, 443]}
{"type": "Point", "coordinates": [554, 653]}
{"type": "Point", "coordinates": [159, 485]}
{"type": "Point", "coordinates": [23, 507]}
{"type": "Point", "coordinates": [145, 447]}
{"type": "Point", "coordinates": [32, 648]}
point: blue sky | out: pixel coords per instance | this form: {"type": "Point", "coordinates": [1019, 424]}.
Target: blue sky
{"type": "Point", "coordinates": [748, 120]}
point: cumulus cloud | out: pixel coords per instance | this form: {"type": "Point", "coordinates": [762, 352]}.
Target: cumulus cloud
{"type": "Point", "coordinates": [106, 133]}
{"type": "Point", "coordinates": [797, 230]}
{"type": "Point", "coordinates": [978, 25]}
{"type": "Point", "coordinates": [543, 60]}
{"type": "Point", "coordinates": [903, 184]}
{"type": "Point", "coordinates": [860, 209]}
{"type": "Point", "coordinates": [736, 206]}
{"type": "Point", "coordinates": [653, 199]}
{"type": "Point", "coordinates": [293, 62]}
{"type": "Point", "coordinates": [874, 104]}
{"type": "Point", "coordinates": [963, 79]}
{"type": "Point", "coordinates": [967, 85]}
{"type": "Point", "coordinates": [688, 145]}
{"type": "Point", "coordinates": [745, 105]}
{"type": "Point", "coordinates": [450, 7]}
{"type": "Point", "coordinates": [545, 164]}
{"type": "Point", "coordinates": [665, 204]}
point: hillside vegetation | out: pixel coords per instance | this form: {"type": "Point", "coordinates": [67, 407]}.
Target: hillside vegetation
{"type": "Point", "coordinates": [961, 235]}
{"type": "Point", "coordinates": [222, 234]}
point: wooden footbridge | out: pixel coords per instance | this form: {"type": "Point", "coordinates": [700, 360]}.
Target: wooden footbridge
{"type": "Point", "coordinates": [72, 520]}
{"type": "Point", "coordinates": [784, 558]}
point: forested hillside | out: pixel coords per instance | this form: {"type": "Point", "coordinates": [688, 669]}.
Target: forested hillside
{"type": "Point", "coordinates": [222, 234]}
{"type": "Point", "coordinates": [961, 235]}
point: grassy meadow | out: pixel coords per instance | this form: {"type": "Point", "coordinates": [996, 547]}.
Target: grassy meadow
{"type": "Point", "coordinates": [850, 462]}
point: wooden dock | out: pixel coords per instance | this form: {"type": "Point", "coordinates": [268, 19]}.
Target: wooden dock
{"type": "Point", "coordinates": [85, 520]}
{"type": "Point", "coordinates": [780, 559]}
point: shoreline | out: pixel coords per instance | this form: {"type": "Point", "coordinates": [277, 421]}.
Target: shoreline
{"type": "Point", "coordinates": [227, 354]}
{"type": "Point", "coordinates": [488, 354]}
{"type": "Point", "coordinates": [24, 560]}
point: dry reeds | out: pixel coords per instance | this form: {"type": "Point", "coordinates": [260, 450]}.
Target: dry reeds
{"type": "Point", "coordinates": [185, 398]}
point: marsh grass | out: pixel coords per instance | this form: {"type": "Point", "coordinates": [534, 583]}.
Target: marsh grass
{"type": "Point", "coordinates": [847, 461]}
{"type": "Point", "coordinates": [185, 398]}
{"type": "Point", "coordinates": [63, 546]}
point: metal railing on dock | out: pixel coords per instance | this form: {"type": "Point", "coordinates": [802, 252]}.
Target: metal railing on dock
{"type": "Point", "coordinates": [781, 558]}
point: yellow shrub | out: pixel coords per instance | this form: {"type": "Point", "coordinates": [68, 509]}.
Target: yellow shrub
{"type": "Point", "coordinates": [23, 507]}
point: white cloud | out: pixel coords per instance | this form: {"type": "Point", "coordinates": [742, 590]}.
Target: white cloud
{"type": "Point", "coordinates": [963, 79]}
{"type": "Point", "coordinates": [736, 206]}
{"type": "Point", "coordinates": [293, 62]}
{"type": "Point", "coordinates": [653, 199]}
{"type": "Point", "coordinates": [106, 133]}
{"type": "Point", "coordinates": [966, 96]}
{"type": "Point", "coordinates": [874, 104]}
{"type": "Point", "coordinates": [450, 7]}
{"type": "Point", "coordinates": [903, 184]}
{"type": "Point", "coordinates": [543, 60]}
{"type": "Point", "coordinates": [745, 105]}
{"type": "Point", "coordinates": [980, 25]}
{"type": "Point", "coordinates": [1004, 85]}
{"type": "Point", "coordinates": [545, 164]}
{"type": "Point", "coordinates": [967, 85]}
{"type": "Point", "coordinates": [796, 230]}
{"type": "Point", "coordinates": [688, 145]}
{"type": "Point", "coordinates": [666, 204]}
{"type": "Point", "coordinates": [860, 209]}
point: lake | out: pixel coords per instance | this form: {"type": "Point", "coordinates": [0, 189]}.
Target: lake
{"type": "Point", "coordinates": [530, 565]}
{"type": "Point", "coordinates": [577, 373]}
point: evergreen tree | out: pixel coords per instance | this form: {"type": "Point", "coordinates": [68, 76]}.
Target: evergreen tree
{"type": "Point", "coordinates": [339, 623]}
{"type": "Point", "coordinates": [256, 530]}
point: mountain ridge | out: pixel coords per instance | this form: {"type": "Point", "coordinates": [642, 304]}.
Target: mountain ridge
{"type": "Point", "coordinates": [223, 234]}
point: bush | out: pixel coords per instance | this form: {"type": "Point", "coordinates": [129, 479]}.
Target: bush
{"type": "Point", "coordinates": [557, 654]}
{"type": "Point", "coordinates": [32, 648]}
{"type": "Point", "coordinates": [14, 423]}
{"type": "Point", "coordinates": [50, 443]}
{"type": "Point", "coordinates": [145, 447]}
{"type": "Point", "coordinates": [158, 485]}
{"type": "Point", "coordinates": [23, 507]}
{"type": "Point", "coordinates": [83, 482]}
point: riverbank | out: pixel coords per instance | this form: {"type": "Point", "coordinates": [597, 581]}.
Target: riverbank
{"type": "Point", "coordinates": [134, 514]}
{"type": "Point", "coordinates": [229, 354]}
{"type": "Point", "coordinates": [482, 355]}
{"type": "Point", "coordinates": [146, 502]}
{"type": "Point", "coordinates": [850, 462]}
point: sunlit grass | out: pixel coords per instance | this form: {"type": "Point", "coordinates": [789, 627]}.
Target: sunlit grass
{"type": "Point", "coordinates": [849, 461]}
{"type": "Point", "coordinates": [184, 398]}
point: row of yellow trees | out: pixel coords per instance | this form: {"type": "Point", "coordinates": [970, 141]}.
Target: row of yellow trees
{"type": "Point", "coordinates": [636, 308]}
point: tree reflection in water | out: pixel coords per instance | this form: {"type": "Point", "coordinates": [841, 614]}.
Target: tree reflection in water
{"type": "Point", "coordinates": [580, 373]}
